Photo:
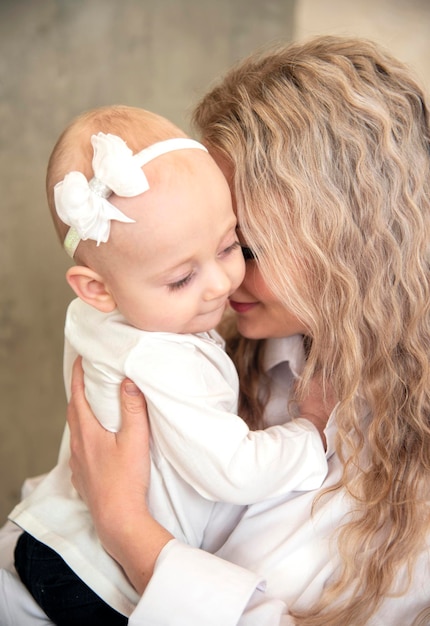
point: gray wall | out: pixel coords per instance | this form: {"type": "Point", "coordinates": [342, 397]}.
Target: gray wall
{"type": "Point", "coordinates": [59, 57]}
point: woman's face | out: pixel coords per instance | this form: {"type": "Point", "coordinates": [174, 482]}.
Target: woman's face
{"type": "Point", "coordinates": [259, 312]}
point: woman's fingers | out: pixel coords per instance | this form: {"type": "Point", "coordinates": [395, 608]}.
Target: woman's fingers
{"type": "Point", "coordinates": [134, 414]}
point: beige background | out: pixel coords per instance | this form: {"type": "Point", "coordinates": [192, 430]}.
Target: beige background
{"type": "Point", "coordinates": [59, 57]}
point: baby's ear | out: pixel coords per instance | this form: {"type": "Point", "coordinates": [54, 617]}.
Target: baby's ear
{"type": "Point", "coordinates": [91, 288]}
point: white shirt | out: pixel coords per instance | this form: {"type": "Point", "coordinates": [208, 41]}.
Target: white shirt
{"type": "Point", "coordinates": [201, 452]}
{"type": "Point", "coordinates": [283, 555]}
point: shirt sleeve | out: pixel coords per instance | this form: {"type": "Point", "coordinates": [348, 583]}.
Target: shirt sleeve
{"type": "Point", "coordinates": [221, 593]}
{"type": "Point", "coordinates": [194, 425]}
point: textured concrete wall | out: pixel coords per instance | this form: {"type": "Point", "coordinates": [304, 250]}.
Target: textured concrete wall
{"type": "Point", "coordinates": [59, 57]}
{"type": "Point", "coordinates": [402, 26]}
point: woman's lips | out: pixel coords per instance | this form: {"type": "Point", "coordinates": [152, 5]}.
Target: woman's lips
{"type": "Point", "coordinates": [242, 307]}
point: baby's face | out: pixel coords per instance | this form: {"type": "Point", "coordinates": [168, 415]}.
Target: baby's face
{"type": "Point", "coordinates": [181, 260]}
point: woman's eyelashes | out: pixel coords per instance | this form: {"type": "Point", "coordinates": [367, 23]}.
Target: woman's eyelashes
{"type": "Point", "coordinates": [248, 254]}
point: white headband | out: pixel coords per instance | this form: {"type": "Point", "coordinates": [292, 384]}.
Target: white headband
{"type": "Point", "coordinates": [83, 204]}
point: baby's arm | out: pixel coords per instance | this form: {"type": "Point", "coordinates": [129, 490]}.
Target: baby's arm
{"type": "Point", "coordinates": [102, 382]}
{"type": "Point", "coordinates": [194, 426]}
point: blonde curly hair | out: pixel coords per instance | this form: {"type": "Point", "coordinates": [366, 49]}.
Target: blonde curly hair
{"type": "Point", "coordinates": [329, 143]}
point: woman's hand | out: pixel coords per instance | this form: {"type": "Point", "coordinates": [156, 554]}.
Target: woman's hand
{"type": "Point", "coordinates": [109, 467]}
{"type": "Point", "coordinates": [111, 471]}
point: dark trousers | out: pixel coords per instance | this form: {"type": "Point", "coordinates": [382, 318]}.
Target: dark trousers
{"type": "Point", "coordinates": [66, 600]}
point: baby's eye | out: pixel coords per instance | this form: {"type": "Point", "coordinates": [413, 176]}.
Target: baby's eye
{"type": "Point", "coordinates": [234, 246]}
{"type": "Point", "coordinates": [248, 254]}
{"type": "Point", "coordinates": [180, 283]}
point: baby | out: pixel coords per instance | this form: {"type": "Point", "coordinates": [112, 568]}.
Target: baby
{"type": "Point", "coordinates": [147, 216]}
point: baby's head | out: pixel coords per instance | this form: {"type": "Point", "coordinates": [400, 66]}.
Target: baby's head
{"type": "Point", "coordinates": [147, 216]}
{"type": "Point", "coordinates": [74, 151]}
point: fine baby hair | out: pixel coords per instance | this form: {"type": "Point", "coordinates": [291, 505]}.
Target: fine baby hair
{"type": "Point", "coordinates": [79, 184]}
{"type": "Point", "coordinates": [84, 205]}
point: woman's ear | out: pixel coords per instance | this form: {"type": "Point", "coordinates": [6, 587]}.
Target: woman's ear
{"type": "Point", "coordinates": [91, 288]}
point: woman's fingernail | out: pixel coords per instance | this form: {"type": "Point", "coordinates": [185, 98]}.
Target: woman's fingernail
{"type": "Point", "coordinates": [131, 389]}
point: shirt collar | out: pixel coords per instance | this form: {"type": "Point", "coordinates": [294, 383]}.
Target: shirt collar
{"type": "Point", "coordinates": [291, 350]}
{"type": "Point", "coordinates": [285, 349]}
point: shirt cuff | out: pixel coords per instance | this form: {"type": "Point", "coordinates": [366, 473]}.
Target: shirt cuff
{"type": "Point", "coordinates": [192, 587]}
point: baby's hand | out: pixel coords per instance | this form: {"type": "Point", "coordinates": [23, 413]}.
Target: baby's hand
{"type": "Point", "coordinates": [317, 406]}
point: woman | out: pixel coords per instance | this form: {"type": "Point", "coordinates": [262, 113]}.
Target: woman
{"type": "Point", "coordinates": [326, 146]}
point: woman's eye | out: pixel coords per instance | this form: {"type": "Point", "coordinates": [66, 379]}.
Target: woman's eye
{"type": "Point", "coordinates": [180, 283]}
{"type": "Point", "coordinates": [248, 254]}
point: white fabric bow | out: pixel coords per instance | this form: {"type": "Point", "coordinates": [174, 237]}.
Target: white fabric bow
{"type": "Point", "coordinates": [83, 204]}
